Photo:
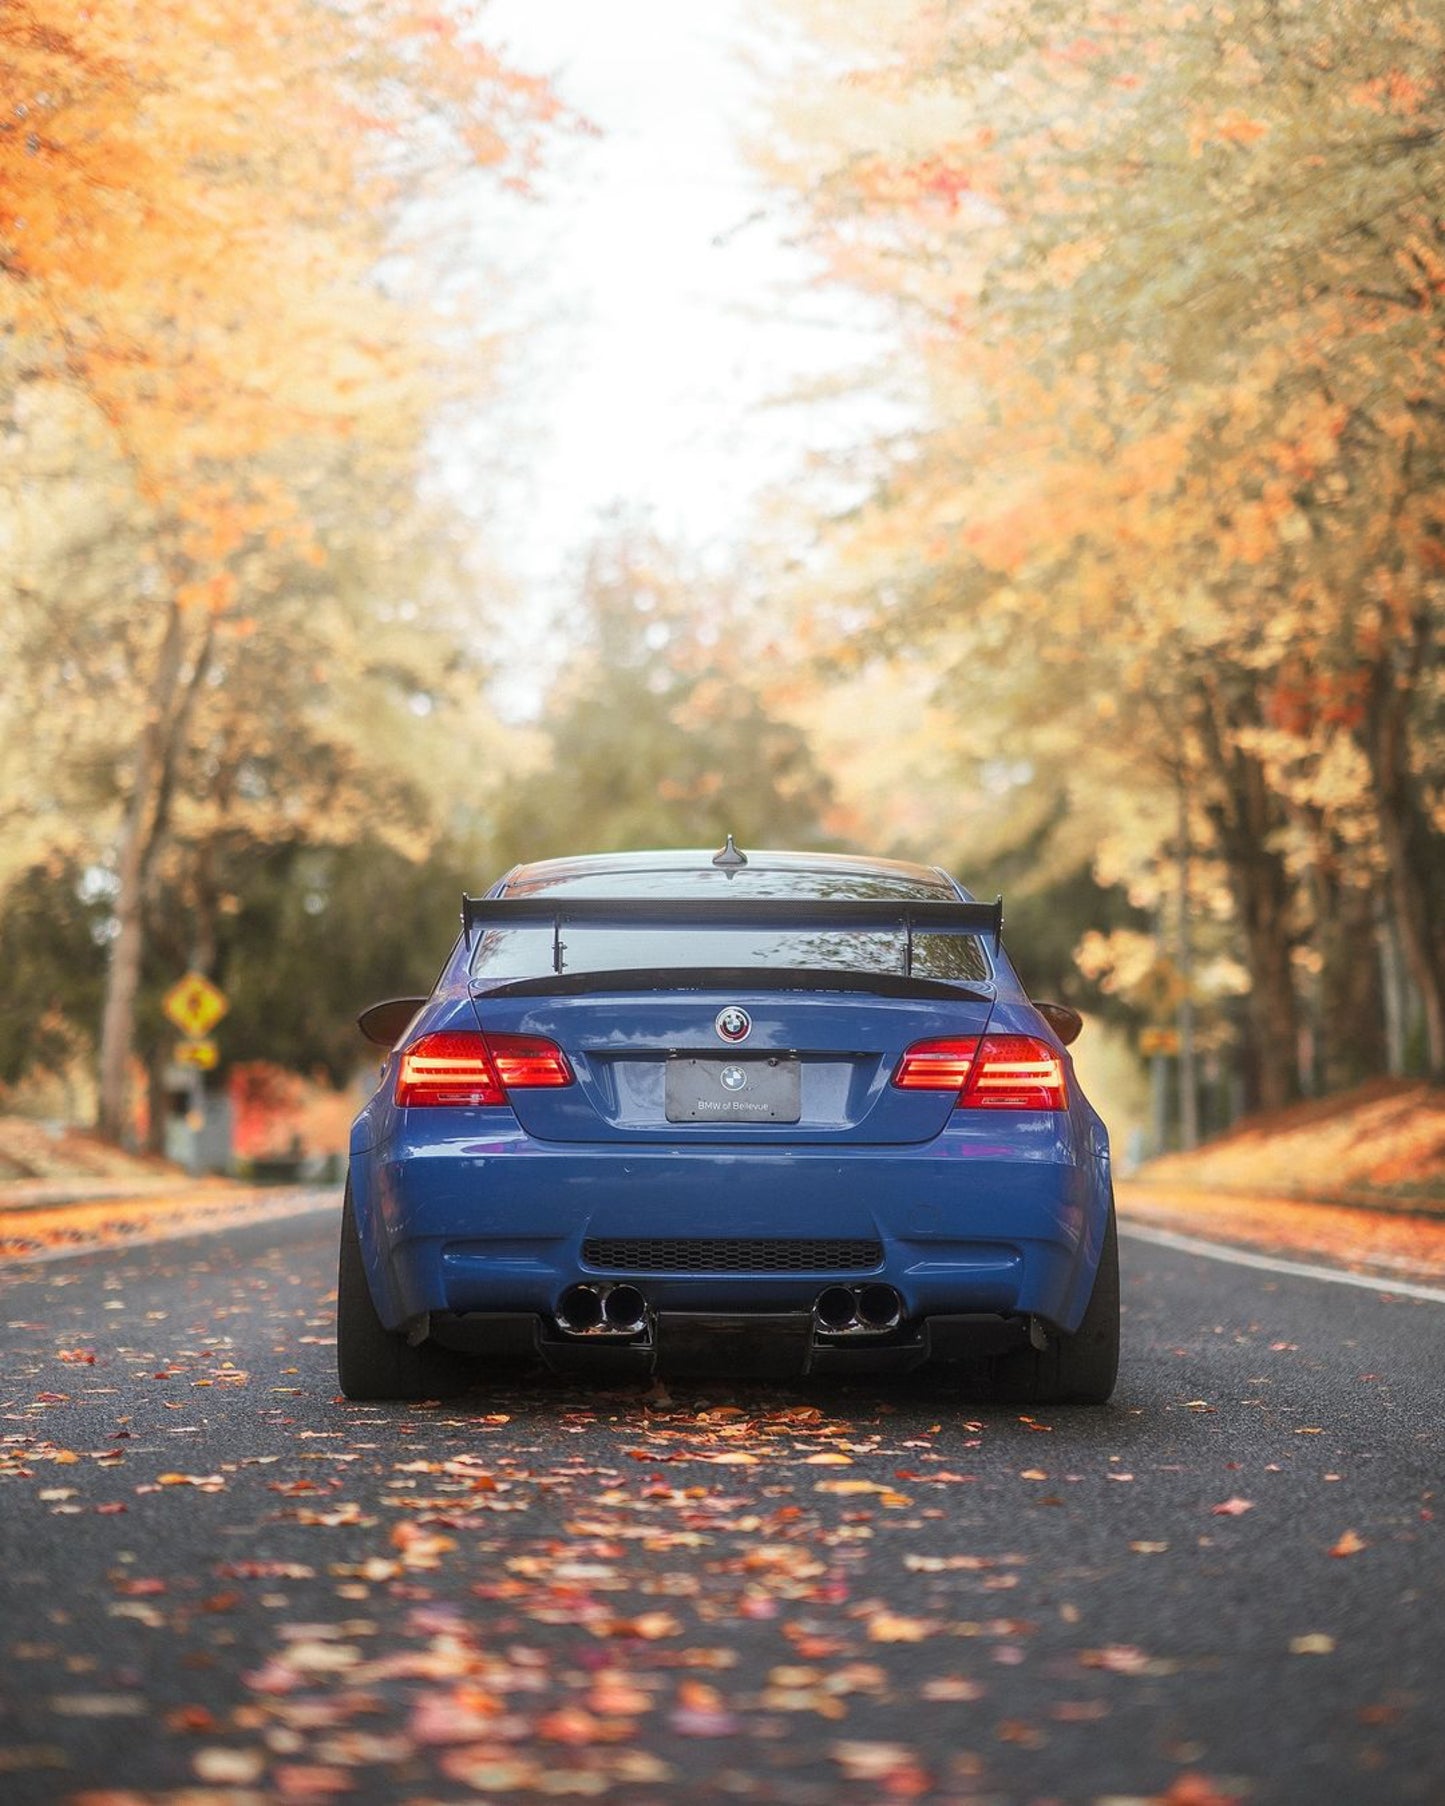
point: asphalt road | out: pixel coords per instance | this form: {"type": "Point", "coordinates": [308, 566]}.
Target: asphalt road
{"type": "Point", "coordinates": [222, 1584]}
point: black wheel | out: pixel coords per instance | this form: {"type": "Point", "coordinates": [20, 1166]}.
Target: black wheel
{"type": "Point", "coordinates": [1073, 1370]}
{"type": "Point", "coordinates": [372, 1361]}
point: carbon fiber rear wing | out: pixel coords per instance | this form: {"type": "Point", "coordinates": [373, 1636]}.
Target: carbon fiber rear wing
{"type": "Point", "coordinates": [804, 915]}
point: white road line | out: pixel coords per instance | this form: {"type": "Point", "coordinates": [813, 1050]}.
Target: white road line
{"type": "Point", "coordinates": [1269, 1263]}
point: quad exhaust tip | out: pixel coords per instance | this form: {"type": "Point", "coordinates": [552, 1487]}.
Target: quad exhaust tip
{"type": "Point", "coordinates": [622, 1310]}
{"type": "Point", "coordinates": [857, 1310]}
{"type": "Point", "coordinates": [602, 1310]}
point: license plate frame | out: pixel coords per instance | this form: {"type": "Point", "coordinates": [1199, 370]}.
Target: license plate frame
{"type": "Point", "coordinates": [697, 1090]}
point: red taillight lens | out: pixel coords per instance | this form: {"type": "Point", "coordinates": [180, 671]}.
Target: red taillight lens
{"type": "Point", "coordinates": [525, 1060]}
{"type": "Point", "coordinates": [1000, 1072]}
{"type": "Point", "coordinates": [452, 1067]}
{"type": "Point", "coordinates": [461, 1068]}
{"type": "Point", "coordinates": [1016, 1072]}
{"type": "Point", "coordinates": [937, 1065]}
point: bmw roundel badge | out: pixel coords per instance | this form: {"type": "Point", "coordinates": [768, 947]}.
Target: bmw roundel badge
{"type": "Point", "coordinates": [733, 1023]}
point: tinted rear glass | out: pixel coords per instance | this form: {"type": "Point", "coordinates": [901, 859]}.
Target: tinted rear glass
{"type": "Point", "coordinates": [508, 953]}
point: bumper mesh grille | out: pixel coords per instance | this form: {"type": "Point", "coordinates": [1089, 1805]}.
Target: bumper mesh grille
{"type": "Point", "coordinates": [732, 1255]}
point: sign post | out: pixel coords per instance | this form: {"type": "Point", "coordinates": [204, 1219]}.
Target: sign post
{"type": "Point", "coordinates": [195, 1006]}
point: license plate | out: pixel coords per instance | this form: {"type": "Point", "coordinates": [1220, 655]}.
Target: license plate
{"type": "Point", "coordinates": [751, 1090]}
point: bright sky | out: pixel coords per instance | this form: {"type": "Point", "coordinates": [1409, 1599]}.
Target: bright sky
{"type": "Point", "coordinates": [669, 317]}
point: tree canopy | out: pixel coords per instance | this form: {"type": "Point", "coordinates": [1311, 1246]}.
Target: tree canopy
{"type": "Point", "coordinates": [1174, 276]}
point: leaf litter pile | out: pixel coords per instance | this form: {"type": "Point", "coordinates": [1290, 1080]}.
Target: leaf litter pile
{"type": "Point", "coordinates": [549, 1591]}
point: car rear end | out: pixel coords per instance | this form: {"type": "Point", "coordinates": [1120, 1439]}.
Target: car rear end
{"type": "Point", "coordinates": [744, 1131]}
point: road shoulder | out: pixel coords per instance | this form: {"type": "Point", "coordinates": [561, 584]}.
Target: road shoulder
{"type": "Point", "coordinates": [1370, 1242]}
{"type": "Point", "coordinates": [32, 1232]}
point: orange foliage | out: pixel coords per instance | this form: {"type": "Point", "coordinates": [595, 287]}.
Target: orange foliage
{"type": "Point", "coordinates": [191, 207]}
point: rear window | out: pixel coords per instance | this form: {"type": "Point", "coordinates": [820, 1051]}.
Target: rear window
{"type": "Point", "coordinates": [527, 952]}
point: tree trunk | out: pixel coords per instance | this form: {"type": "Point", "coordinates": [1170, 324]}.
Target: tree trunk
{"type": "Point", "coordinates": [1352, 1007]}
{"type": "Point", "coordinates": [1262, 898]}
{"type": "Point", "coordinates": [1413, 850]}
{"type": "Point", "coordinates": [1246, 816]}
{"type": "Point", "coordinates": [157, 1099]}
{"type": "Point", "coordinates": [174, 681]}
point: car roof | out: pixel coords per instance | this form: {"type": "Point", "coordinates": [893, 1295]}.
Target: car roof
{"type": "Point", "coordinates": [687, 859]}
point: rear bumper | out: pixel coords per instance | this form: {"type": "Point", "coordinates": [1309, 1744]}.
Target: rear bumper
{"type": "Point", "coordinates": [496, 1223]}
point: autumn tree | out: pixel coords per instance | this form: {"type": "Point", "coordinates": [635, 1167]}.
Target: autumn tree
{"type": "Point", "coordinates": [195, 204]}
{"type": "Point", "coordinates": [1174, 280]}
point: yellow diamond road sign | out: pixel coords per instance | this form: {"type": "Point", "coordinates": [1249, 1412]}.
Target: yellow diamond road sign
{"type": "Point", "coordinates": [195, 1005]}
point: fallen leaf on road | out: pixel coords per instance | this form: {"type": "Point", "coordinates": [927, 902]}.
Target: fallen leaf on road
{"type": "Point", "coordinates": [876, 1761]}
{"type": "Point", "coordinates": [307, 1781]}
{"type": "Point", "coordinates": [892, 1627]}
{"type": "Point", "coordinates": [1196, 1790]}
{"type": "Point", "coordinates": [648, 1625]}
{"type": "Point", "coordinates": [948, 1688]}
{"type": "Point", "coordinates": [1232, 1508]}
{"type": "Point", "coordinates": [98, 1705]}
{"type": "Point", "coordinates": [701, 1712]}
{"type": "Point", "coordinates": [228, 1768]}
{"type": "Point", "coordinates": [1021, 1732]}
{"type": "Point", "coordinates": [320, 1658]}
{"type": "Point", "coordinates": [1349, 1544]}
{"type": "Point", "coordinates": [613, 1694]}
{"type": "Point", "coordinates": [1317, 1643]}
{"type": "Point", "coordinates": [1124, 1658]}
{"type": "Point", "coordinates": [571, 1725]}
{"type": "Point", "coordinates": [1078, 1711]}
{"type": "Point", "coordinates": [943, 1564]}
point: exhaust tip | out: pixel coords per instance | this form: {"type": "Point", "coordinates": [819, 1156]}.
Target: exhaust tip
{"type": "Point", "coordinates": [879, 1307]}
{"type": "Point", "coordinates": [579, 1309]}
{"type": "Point", "coordinates": [624, 1310]}
{"type": "Point", "coordinates": [835, 1309]}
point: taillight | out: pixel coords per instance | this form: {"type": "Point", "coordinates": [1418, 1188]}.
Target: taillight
{"type": "Point", "coordinates": [461, 1068]}
{"type": "Point", "coordinates": [525, 1060]}
{"type": "Point", "coordinates": [937, 1065]}
{"type": "Point", "coordinates": [452, 1067]}
{"type": "Point", "coordinates": [999, 1072]}
{"type": "Point", "coordinates": [1016, 1072]}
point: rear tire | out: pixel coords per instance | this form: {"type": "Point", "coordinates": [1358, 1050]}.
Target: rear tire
{"type": "Point", "coordinates": [1073, 1370]}
{"type": "Point", "coordinates": [373, 1362]}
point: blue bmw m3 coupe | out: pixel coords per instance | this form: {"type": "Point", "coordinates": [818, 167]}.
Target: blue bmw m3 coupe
{"type": "Point", "coordinates": [741, 1113]}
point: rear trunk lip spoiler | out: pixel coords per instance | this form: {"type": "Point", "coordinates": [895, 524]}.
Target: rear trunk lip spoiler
{"type": "Point", "coordinates": [821, 914]}
{"type": "Point", "coordinates": [733, 980]}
